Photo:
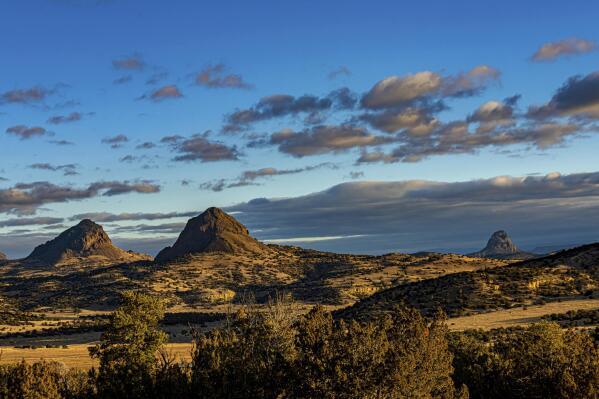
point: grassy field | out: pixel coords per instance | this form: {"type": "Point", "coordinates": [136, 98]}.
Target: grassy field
{"type": "Point", "coordinates": [520, 316]}
{"type": "Point", "coordinates": [75, 355]}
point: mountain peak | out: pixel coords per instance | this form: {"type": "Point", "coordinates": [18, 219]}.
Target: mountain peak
{"type": "Point", "coordinates": [212, 231]}
{"type": "Point", "coordinates": [501, 243]}
{"type": "Point", "coordinates": [501, 246]}
{"type": "Point", "coordinates": [86, 239]}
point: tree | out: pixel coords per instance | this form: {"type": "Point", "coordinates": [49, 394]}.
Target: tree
{"type": "Point", "coordinates": [542, 361]}
{"type": "Point", "coordinates": [251, 357]}
{"type": "Point", "coordinates": [129, 346]}
{"type": "Point", "coordinates": [43, 380]}
{"type": "Point", "coordinates": [37, 381]}
{"type": "Point", "coordinates": [399, 355]}
{"type": "Point", "coordinates": [274, 354]}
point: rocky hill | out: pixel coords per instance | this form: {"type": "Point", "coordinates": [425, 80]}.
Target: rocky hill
{"type": "Point", "coordinates": [85, 241]}
{"type": "Point", "coordinates": [212, 231]}
{"type": "Point", "coordinates": [2, 257]}
{"type": "Point", "coordinates": [209, 280]}
{"type": "Point", "coordinates": [501, 246]}
{"type": "Point", "coordinates": [567, 274]}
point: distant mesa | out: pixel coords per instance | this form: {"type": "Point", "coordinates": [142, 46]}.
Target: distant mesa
{"type": "Point", "coordinates": [212, 231]}
{"type": "Point", "coordinates": [85, 240]}
{"type": "Point", "coordinates": [501, 246]}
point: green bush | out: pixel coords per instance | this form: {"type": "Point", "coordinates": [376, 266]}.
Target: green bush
{"type": "Point", "coordinates": [43, 380]}
{"type": "Point", "coordinates": [542, 361]}
{"type": "Point", "coordinates": [128, 348]}
{"type": "Point", "coordinates": [271, 355]}
{"type": "Point", "coordinates": [276, 352]}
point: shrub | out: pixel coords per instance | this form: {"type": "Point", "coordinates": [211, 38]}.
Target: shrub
{"type": "Point", "coordinates": [250, 357]}
{"type": "Point", "coordinates": [43, 380]}
{"type": "Point", "coordinates": [128, 348]}
{"type": "Point", "coordinates": [272, 354]}
{"type": "Point", "coordinates": [396, 356]}
{"type": "Point", "coordinates": [542, 361]}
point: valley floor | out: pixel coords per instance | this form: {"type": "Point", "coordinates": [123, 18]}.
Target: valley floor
{"type": "Point", "coordinates": [520, 316]}
{"type": "Point", "coordinates": [75, 352]}
{"type": "Point", "coordinates": [76, 356]}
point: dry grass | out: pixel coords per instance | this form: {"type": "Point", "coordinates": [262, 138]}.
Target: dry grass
{"type": "Point", "coordinates": [76, 356]}
{"type": "Point", "coordinates": [520, 316]}
{"type": "Point", "coordinates": [566, 275]}
{"type": "Point", "coordinates": [213, 279]}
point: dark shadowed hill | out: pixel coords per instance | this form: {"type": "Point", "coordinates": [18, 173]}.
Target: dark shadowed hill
{"type": "Point", "coordinates": [501, 246]}
{"type": "Point", "coordinates": [572, 273]}
{"type": "Point", "coordinates": [212, 231]}
{"type": "Point", "coordinates": [86, 240]}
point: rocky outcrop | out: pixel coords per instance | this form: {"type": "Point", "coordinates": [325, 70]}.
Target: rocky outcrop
{"type": "Point", "coordinates": [501, 246]}
{"type": "Point", "coordinates": [212, 231]}
{"type": "Point", "coordinates": [85, 240]}
{"type": "Point", "coordinates": [2, 257]}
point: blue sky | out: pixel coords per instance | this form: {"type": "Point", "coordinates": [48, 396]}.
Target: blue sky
{"type": "Point", "coordinates": [92, 60]}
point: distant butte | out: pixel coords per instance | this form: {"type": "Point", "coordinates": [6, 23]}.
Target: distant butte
{"type": "Point", "coordinates": [212, 231]}
{"type": "Point", "coordinates": [501, 246]}
{"type": "Point", "coordinates": [85, 240]}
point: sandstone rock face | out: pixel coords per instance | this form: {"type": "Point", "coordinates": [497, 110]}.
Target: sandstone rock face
{"type": "Point", "coordinates": [212, 231]}
{"type": "Point", "coordinates": [501, 246]}
{"type": "Point", "coordinates": [85, 240]}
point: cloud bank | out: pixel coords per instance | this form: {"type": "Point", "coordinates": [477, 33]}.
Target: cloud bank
{"type": "Point", "coordinates": [420, 215]}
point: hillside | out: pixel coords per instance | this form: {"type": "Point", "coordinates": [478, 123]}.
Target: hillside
{"type": "Point", "coordinates": [85, 242]}
{"type": "Point", "coordinates": [212, 231]}
{"type": "Point", "coordinates": [568, 274]}
{"type": "Point", "coordinates": [218, 262]}
{"type": "Point", "coordinates": [211, 278]}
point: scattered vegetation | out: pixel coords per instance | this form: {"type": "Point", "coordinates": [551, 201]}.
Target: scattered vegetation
{"type": "Point", "coordinates": [191, 318]}
{"type": "Point", "coordinates": [17, 318]}
{"type": "Point", "coordinates": [542, 361]}
{"type": "Point", "coordinates": [276, 352]}
{"type": "Point", "coordinates": [576, 318]}
{"type": "Point", "coordinates": [60, 328]}
{"type": "Point", "coordinates": [127, 353]}
{"type": "Point", "coordinates": [210, 279]}
{"type": "Point", "coordinates": [272, 355]}
{"type": "Point", "coordinates": [519, 284]}
{"type": "Point", "coordinates": [43, 381]}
